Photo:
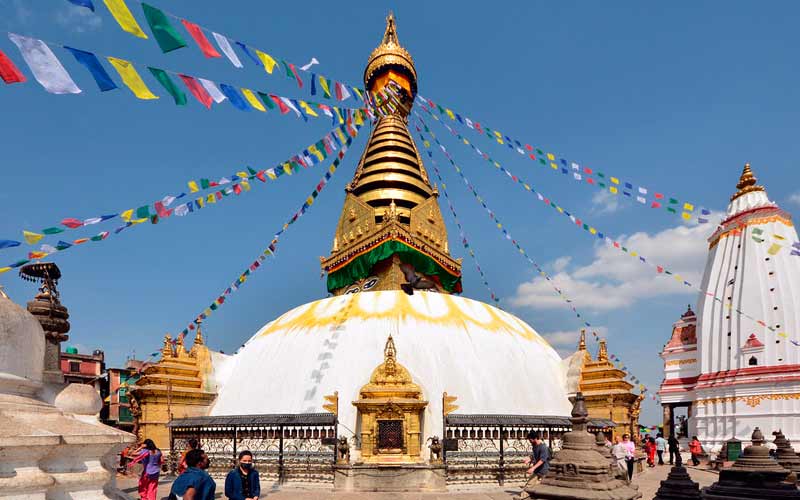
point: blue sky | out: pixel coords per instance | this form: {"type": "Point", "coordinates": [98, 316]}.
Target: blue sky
{"type": "Point", "coordinates": [675, 97]}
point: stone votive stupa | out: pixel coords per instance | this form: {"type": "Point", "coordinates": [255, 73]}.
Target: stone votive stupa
{"type": "Point", "coordinates": [579, 471]}
{"type": "Point", "coordinates": [754, 476]}
{"type": "Point", "coordinates": [678, 485]}
{"type": "Point", "coordinates": [786, 456]}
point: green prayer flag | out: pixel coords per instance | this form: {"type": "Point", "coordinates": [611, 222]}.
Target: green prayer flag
{"type": "Point", "coordinates": [601, 184]}
{"type": "Point", "coordinates": [252, 172]}
{"type": "Point", "coordinates": [166, 82]}
{"type": "Point", "coordinates": [97, 237]}
{"type": "Point", "coordinates": [213, 307]}
{"type": "Point", "coordinates": [143, 212]}
{"type": "Point", "coordinates": [53, 230]}
{"type": "Point", "coordinates": [289, 73]}
{"type": "Point", "coordinates": [204, 183]}
{"type": "Point", "coordinates": [267, 101]}
{"type": "Point", "coordinates": [670, 209]}
{"type": "Point", "coordinates": [673, 201]}
{"type": "Point", "coordinates": [166, 35]}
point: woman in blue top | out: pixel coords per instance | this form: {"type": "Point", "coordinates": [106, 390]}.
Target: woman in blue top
{"type": "Point", "coordinates": [242, 482]}
{"type": "Point", "coordinates": [151, 459]}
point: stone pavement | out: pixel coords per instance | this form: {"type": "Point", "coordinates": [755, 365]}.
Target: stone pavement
{"type": "Point", "coordinates": [648, 483]}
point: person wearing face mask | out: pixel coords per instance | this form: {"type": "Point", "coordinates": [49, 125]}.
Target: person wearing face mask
{"type": "Point", "coordinates": [242, 482]}
{"type": "Point", "coordinates": [194, 483]}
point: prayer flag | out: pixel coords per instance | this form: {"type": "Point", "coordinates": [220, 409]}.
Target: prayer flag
{"type": "Point", "coordinates": [774, 249]}
{"type": "Point", "coordinates": [31, 238]}
{"type": "Point", "coordinates": [91, 63]}
{"type": "Point", "coordinates": [143, 212]}
{"type": "Point", "coordinates": [234, 97]}
{"type": "Point", "coordinates": [304, 105]}
{"type": "Point", "coordinates": [266, 60]}
{"type": "Point", "coordinates": [166, 82]}
{"type": "Point", "coordinates": [83, 3]}
{"type": "Point", "coordinates": [290, 103]}
{"type": "Point", "coordinates": [200, 39]}
{"type": "Point", "coordinates": [9, 72]}
{"type": "Point", "coordinates": [296, 76]}
{"type": "Point", "coordinates": [251, 98]}
{"type": "Point", "coordinates": [284, 109]}
{"type": "Point", "coordinates": [166, 35]}
{"type": "Point", "coordinates": [225, 45]}
{"type": "Point", "coordinates": [124, 17]}
{"type": "Point", "coordinates": [72, 223]}
{"type": "Point", "coordinates": [197, 90]}
{"type": "Point", "coordinates": [46, 68]}
{"type": "Point", "coordinates": [212, 90]}
{"type": "Point", "coordinates": [325, 89]}
{"type": "Point", "coordinates": [267, 101]}
{"type": "Point", "coordinates": [9, 243]}
{"type": "Point", "coordinates": [131, 78]}
{"type": "Point", "coordinates": [52, 230]}
{"type": "Point", "coordinates": [247, 51]}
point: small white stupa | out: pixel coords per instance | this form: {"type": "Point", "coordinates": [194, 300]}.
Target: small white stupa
{"type": "Point", "coordinates": [58, 451]}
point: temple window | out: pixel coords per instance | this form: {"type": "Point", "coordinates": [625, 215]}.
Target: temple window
{"type": "Point", "coordinates": [753, 361]}
{"type": "Point", "coordinates": [390, 434]}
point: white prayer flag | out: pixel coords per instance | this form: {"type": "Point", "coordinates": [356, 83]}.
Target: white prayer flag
{"type": "Point", "coordinates": [306, 67]}
{"type": "Point", "coordinates": [181, 210]}
{"type": "Point", "coordinates": [225, 45]}
{"type": "Point", "coordinates": [45, 65]}
{"type": "Point", "coordinates": [92, 220]}
{"type": "Point", "coordinates": [212, 90]}
{"type": "Point", "coordinates": [288, 103]}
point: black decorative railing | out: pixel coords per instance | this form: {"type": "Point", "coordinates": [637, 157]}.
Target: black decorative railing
{"type": "Point", "coordinates": [296, 448]}
{"type": "Point", "coordinates": [492, 448]}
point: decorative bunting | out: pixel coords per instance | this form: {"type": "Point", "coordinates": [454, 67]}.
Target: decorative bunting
{"type": "Point", "coordinates": [91, 63]}
{"type": "Point", "coordinates": [124, 17]}
{"type": "Point", "coordinates": [166, 35]}
{"type": "Point", "coordinates": [46, 68]}
{"type": "Point", "coordinates": [9, 72]}
{"type": "Point", "coordinates": [200, 39]}
{"type": "Point", "coordinates": [198, 90]}
{"type": "Point", "coordinates": [130, 77]}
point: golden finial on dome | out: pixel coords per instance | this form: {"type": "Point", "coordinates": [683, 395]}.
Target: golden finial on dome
{"type": "Point", "coordinates": [582, 341]}
{"type": "Point", "coordinates": [747, 183]}
{"type": "Point", "coordinates": [602, 353]}
{"type": "Point", "coordinates": [390, 61]}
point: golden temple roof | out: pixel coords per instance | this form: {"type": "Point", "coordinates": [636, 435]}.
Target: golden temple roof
{"type": "Point", "coordinates": [747, 183]}
{"type": "Point", "coordinates": [390, 54]}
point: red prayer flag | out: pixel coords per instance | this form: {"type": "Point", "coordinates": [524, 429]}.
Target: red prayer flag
{"type": "Point", "coordinates": [80, 240]}
{"type": "Point", "coordinates": [8, 72]}
{"type": "Point", "coordinates": [200, 38]}
{"type": "Point", "coordinates": [532, 157]}
{"type": "Point", "coordinates": [529, 147]}
{"type": "Point", "coordinates": [660, 269]}
{"type": "Point", "coordinates": [655, 205]}
{"type": "Point", "coordinates": [284, 109]}
{"type": "Point", "coordinates": [659, 196]}
{"type": "Point", "coordinates": [237, 189]}
{"type": "Point", "coordinates": [260, 176]}
{"type": "Point", "coordinates": [197, 90]}
{"type": "Point", "coordinates": [296, 76]}
{"type": "Point", "coordinates": [72, 223]}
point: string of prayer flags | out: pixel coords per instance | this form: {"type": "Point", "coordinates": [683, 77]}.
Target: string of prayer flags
{"type": "Point", "coordinates": [9, 72]}
{"type": "Point", "coordinates": [272, 247]}
{"type": "Point", "coordinates": [775, 248]}
{"type": "Point", "coordinates": [212, 90]}
{"type": "Point", "coordinates": [166, 35]}
{"type": "Point", "coordinates": [613, 184]}
{"type": "Point", "coordinates": [200, 39]}
{"type": "Point", "coordinates": [576, 220]}
{"type": "Point", "coordinates": [198, 91]}
{"type": "Point", "coordinates": [44, 65]}
{"type": "Point", "coordinates": [119, 10]}
{"type": "Point", "coordinates": [500, 225]}
{"type": "Point", "coordinates": [92, 64]}
{"type": "Point", "coordinates": [131, 79]}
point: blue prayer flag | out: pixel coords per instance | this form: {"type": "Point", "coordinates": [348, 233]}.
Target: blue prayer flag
{"type": "Point", "coordinates": [90, 62]}
{"type": "Point", "coordinates": [234, 97]}
{"type": "Point", "coordinates": [9, 243]}
{"type": "Point", "coordinates": [313, 84]}
{"type": "Point", "coordinates": [83, 3]}
{"type": "Point", "coordinates": [249, 54]}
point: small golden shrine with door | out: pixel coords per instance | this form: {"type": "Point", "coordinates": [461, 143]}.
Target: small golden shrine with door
{"type": "Point", "coordinates": [390, 407]}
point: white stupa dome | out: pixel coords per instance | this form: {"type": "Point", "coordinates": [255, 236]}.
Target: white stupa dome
{"type": "Point", "coordinates": [491, 360]}
{"type": "Point", "coordinates": [21, 348]}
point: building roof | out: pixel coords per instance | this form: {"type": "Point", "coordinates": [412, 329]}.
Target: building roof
{"type": "Point", "coordinates": [520, 421]}
{"type": "Point", "coordinates": [256, 420]}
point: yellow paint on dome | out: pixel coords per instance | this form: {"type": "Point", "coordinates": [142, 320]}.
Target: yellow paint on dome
{"type": "Point", "coordinates": [440, 310]}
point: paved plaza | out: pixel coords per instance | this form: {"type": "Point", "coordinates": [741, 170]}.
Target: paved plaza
{"type": "Point", "coordinates": [648, 483]}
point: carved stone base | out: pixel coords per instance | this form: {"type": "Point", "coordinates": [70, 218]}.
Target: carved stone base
{"type": "Point", "coordinates": [393, 478]}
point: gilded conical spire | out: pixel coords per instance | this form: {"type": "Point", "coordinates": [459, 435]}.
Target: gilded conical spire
{"type": "Point", "coordinates": [747, 183]}
{"type": "Point", "coordinates": [390, 35]}
{"type": "Point", "coordinates": [602, 354]}
{"type": "Point", "coordinates": [582, 341]}
{"type": "Point", "coordinates": [391, 61]}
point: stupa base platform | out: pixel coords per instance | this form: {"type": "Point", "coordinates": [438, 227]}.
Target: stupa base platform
{"type": "Point", "coordinates": [389, 477]}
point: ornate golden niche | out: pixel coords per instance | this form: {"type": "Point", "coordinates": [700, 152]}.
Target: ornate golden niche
{"type": "Point", "coordinates": [390, 410]}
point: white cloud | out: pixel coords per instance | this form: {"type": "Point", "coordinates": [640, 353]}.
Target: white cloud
{"type": "Point", "coordinates": [794, 198]}
{"type": "Point", "coordinates": [603, 202]}
{"type": "Point", "coordinates": [615, 279]}
{"type": "Point", "coordinates": [21, 13]}
{"type": "Point", "coordinates": [78, 19]}
{"type": "Point", "coordinates": [561, 263]}
{"type": "Point", "coordinates": [569, 338]}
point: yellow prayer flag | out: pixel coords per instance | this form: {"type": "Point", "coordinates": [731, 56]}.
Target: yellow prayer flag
{"type": "Point", "coordinates": [310, 111]}
{"type": "Point", "coordinates": [678, 277]}
{"type": "Point", "coordinates": [211, 198]}
{"type": "Point", "coordinates": [550, 157]}
{"type": "Point", "coordinates": [139, 221]}
{"type": "Point", "coordinates": [613, 189]}
{"type": "Point", "coordinates": [686, 215]}
{"type": "Point", "coordinates": [316, 152]}
{"type": "Point", "coordinates": [4, 269]}
{"type": "Point", "coordinates": [287, 169]}
{"type": "Point", "coordinates": [592, 230]}
{"type": "Point", "coordinates": [126, 215]}
{"type": "Point", "coordinates": [633, 254]}
{"type": "Point", "coordinates": [310, 200]}
{"type": "Point", "coordinates": [774, 249]}
{"type": "Point", "coordinates": [271, 174]}
{"type": "Point", "coordinates": [782, 334]}
{"type": "Point", "coordinates": [243, 175]}
{"type": "Point", "coordinates": [193, 187]}
{"type": "Point", "coordinates": [614, 180]}
{"type": "Point", "coordinates": [201, 202]}
{"type": "Point", "coordinates": [131, 78]}
{"type": "Point", "coordinates": [32, 238]}
{"type": "Point", "coordinates": [688, 207]}
{"type": "Point", "coordinates": [332, 168]}
{"type": "Point", "coordinates": [450, 114]}
{"type": "Point", "coordinates": [245, 185]}
{"type": "Point", "coordinates": [267, 60]}
{"type": "Point", "coordinates": [251, 98]}
{"type": "Point", "coordinates": [324, 84]}
{"type": "Point", "coordinates": [124, 17]}
{"type": "Point", "coordinates": [778, 237]}
{"type": "Point", "coordinates": [527, 187]}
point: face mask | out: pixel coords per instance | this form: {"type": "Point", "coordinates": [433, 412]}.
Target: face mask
{"type": "Point", "coordinates": [246, 466]}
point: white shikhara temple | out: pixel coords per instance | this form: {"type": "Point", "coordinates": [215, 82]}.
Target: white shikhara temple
{"type": "Point", "coordinates": [733, 372]}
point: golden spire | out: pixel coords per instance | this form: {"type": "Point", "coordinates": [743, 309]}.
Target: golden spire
{"type": "Point", "coordinates": [391, 61]}
{"type": "Point", "coordinates": [747, 183]}
{"type": "Point", "coordinates": [602, 353]}
{"type": "Point", "coordinates": [198, 338]}
{"type": "Point", "coordinates": [166, 351]}
{"type": "Point", "coordinates": [582, 341]}
{"type": "Point", "coordinates": [390, 356]}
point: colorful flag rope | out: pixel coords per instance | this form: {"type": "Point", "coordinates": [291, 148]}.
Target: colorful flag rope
{"type": "Point", "coordinates": [54, 78]}
{"type": "Point", "coordinates": [238, 184]}
{"type": "Point", "coordinates": [168, 39]}
{"type": "Point", "coordinates": [272, 247]}
{"type": "Point", "coordinates": [462, 234]}
{"type": "Point", "coordinates": [613, 184]}
{"type": "Point", "coordinates": [497, 222]}
{"type": "Point", "coordinates": [581, 223]}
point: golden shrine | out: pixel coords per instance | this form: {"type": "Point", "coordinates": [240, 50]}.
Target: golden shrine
{"type": "Point", "coordinates": [176, 386]}
{"type": "Point", "coordinates": [606, 391]}
{"type": "Point", "coordinates": [389, 410]}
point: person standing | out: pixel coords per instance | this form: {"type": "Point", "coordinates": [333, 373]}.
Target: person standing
{"type": "Point", "coordinates": [696, 449]}
{"type": "Point", "coordinates": [630, 450]}
{"type": "Point", "coordinates": [194, 483]}
{"type": "Point", "coordinates": [619, 452]}
{"type": "Point", "coordinates": [661, 447]}
{"type": "Point", "coordinates": [650, 449]}
{"type": "Point", "coordinates": [151, 459]}
{"type": "Point", "coordinates": [242, 482]}
{"type": "Point", "coordinates": [674, 449]}
{"type": "Point", "coordinates": [193, 445]}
